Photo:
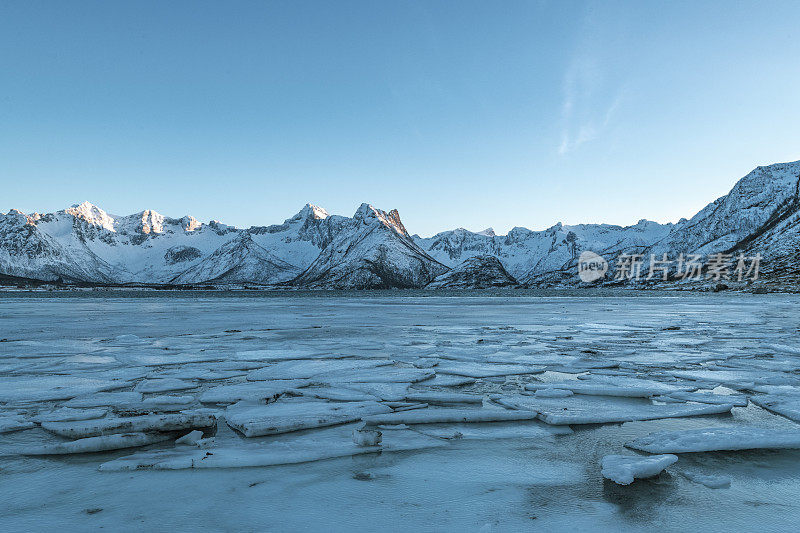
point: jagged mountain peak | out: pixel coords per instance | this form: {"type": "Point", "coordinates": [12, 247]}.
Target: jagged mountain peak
{"type": "Point", "coordinates": [308, 212]}
{"type": "Point", "coordinates": [488, 232]}
{"type": "Point", "coordinates": [367, 214]}
{"type": "Point", "coordinates": [315, 211]}
{"type": "Point", "coordinates": [92, 215]}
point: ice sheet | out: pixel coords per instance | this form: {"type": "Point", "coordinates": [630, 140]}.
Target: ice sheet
{"type": "Point", "coordinates": [717, 438]}
{"type": "Point", "coordinates": [294, 415]}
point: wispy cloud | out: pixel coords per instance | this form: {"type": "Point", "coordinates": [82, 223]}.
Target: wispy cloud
{"type": "Point", "coordinates": [590, 97]}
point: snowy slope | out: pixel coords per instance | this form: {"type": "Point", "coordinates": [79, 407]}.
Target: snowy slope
{"type": "Point", "coordinates": [240, 260]}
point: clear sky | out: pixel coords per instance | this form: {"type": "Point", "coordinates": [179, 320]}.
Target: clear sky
{"type": "Point", "coordinates": [459, 113]}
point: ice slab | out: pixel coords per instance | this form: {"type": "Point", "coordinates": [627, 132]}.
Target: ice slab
{"type": "Point", "coordinates": [388, 392]}
{"type": "Point", "coordinates": [340, 394]}
{"type": "Point", "coordinates": [106, 399]}
{"type": "Point", "coordinates": [495, 430]}
{"type": "Point", "coordinates": [39, 389]}
{"type": "Point", "coordinates": [439, 416]}
{"type": "Point", "coordinates": [169, 358]}
{"type": "Point", "coordinates": [287, 354]}
{"type": "Point", "coordinates": [738, 378]}
{"type": "Point", "coordinates": [98, 444]}
{"type": "Point", "coordinates": [486, 370]}
{"type": "Point", "coordinates": [132, 424]}
{"type": "Point", "coordinates": [717, 438]}
{"type": "Point", "coordinates": [293, 415]}
{"type": "Point", "coordinates": [251, 391]}
{"type": "Point", "coordinates": [381, 374]}
{"type": "Point", "coordinates": [737, 400]}
{"type": "Point", "coordinates": [782, 404]}
{"type": "Point", "coordinates": [613, 386]}
{"type": "Point", "coordinates": [553, 393]}
{"type": "Point", "coordinates": [14, 423]}
{"type": "Point", "coordinates": [447, 380]}
{"type": "Point", "coordinates": [623, 469]}
{"type": "Point", "coordinates": [307, 369]}
{"type": "Point", "coordinates": [167, 403]}
{"type": "Point", "coordinates": [66, 414]}
{"type": "Point", "coordinates": [582, 410]}
{"type": "Point", "coordinates": [320, 445]}
{"type": "Point", "coordinates": [443, 397]}
{"type": "Point", "coordinates": [164, 385]}
{"type": "Point", "coordinates": [191, 438]}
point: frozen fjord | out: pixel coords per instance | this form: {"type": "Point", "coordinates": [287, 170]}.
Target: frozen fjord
{"type": "Point", "coordinates": [80, 365]}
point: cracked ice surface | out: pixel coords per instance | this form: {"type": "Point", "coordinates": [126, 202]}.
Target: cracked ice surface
{"type": "Point", "coordinates": [494, 413]}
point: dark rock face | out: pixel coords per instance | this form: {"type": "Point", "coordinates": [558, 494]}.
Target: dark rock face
{"type": "Point", "coordinates": [181, 254]}
{"type": "Point", "coordinates": [480, 272]}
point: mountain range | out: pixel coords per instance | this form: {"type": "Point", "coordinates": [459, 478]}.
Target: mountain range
{"type": "Point", "coordinates": [372, 249]}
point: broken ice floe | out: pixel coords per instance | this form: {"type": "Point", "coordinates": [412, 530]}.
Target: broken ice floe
{"type": "Point", "coordinates": [579, 410]}
{"type": "Point", "coordinates": [552, 393]}
{"type": "Point", "coordinates": [339, 394]}
{"type": "Point", "coordinates": [486, 370]}
{"type": "Point", "coordinates": [317, 446]}
{"type": "Point", "coordinates": [494, 430]}
{"type": "Point", "coordinates": [718, 438]}
{"type": "Point", "coordinates": [443, 397]}
{"type": "Point", "coordinates": [191, 438]}
{"type": "Point", "coordinates": [388, 392]}
{"type": "Point", "coordinates": [447, 380]}
{"type": "Point", "coordinates": [101, 443]}
{"type": "Point", "coordinates": [132, 424]}
{"type": "Point", "coordinates": [292, 415]}
{"type": "Point", "coordinates": [375, 375]}
{"type": "Point", "coordinates": [250, 391]}
{"type": "Point", "coordinates": [737, 400]}
{"type": "Point", "coordinates": [66, 414]}
{"type": "Point", "coordinates": [613, 386]}
{"type": "Point", "coordinates": [306, 369]}
{"type": "Point", "coordinates": [784, 405]}
{"type": "Point", "coordinates": [49, 388]}
{"type": "Point", "coordinates": [106, 399]}
{"type": "Point", "coordinates": [164, 385]}
{"type": "Point", "coordinates": [14, 423]}
{"type": "Point", "coordinates": [623, 469]}
{"type": "Point", "coordinates": [438, 416]}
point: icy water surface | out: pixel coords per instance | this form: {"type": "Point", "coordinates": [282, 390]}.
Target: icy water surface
{"type": "Point", "coordinates": [672, 357]}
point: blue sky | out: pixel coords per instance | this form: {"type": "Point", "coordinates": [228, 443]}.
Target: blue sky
{"type": "Point", "coordinates": [460, 113]}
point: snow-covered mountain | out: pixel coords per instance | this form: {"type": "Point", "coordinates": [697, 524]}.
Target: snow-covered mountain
{"type": "Point", "coordinates": [372, 249]}
{"type": "Point", "coordinates": [533, 255]}
{"type": "Point", "coordinates": [313, 249]}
